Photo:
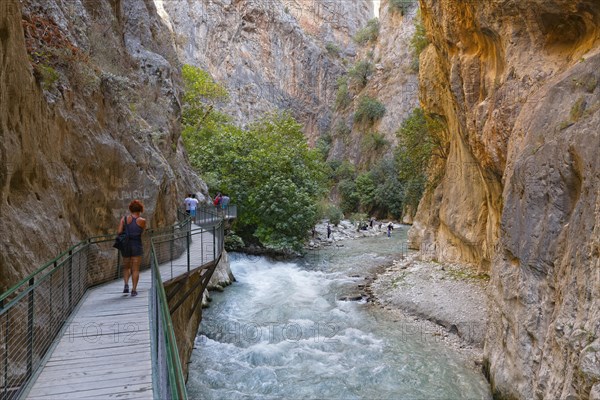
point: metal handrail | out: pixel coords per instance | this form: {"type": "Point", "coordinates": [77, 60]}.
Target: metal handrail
{"type": "Point", "coordinates": [168, 372]}
{"type": "Point", "coordinates": [33, 311]}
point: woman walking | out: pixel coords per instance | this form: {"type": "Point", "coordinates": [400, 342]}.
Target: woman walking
{"type": "Point", "coordinates": [133, 225]}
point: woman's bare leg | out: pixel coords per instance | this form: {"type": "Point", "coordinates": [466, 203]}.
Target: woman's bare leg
{"type": "Point", "coordinates": [135, 271]}
{"type": "Point", "coordinates": [126, 269]}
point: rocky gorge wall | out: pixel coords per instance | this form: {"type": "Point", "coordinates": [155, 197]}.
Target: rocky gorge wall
{"type": "Point", "coordinates": [394, 83]}
{"type": "Point", "coordinates": [517, 84]}
{"type": "Point", "coordinates": [270, 54]}
{"type": "Point", "coordinates": [88, 119]}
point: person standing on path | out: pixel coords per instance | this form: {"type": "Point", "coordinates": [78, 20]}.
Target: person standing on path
{"type": "Point", "coordinates": [224, 201]}
{"type": "Point", "coordinates": [186, 202]}
{"type": "Point", "coordinates": [193, 206]}
{"type": "Point", "coordinates": [389, 229]}
{"type": "Point", "coordinates": [328, 231]}
{"type": "Point", "coordinates": [133, 225]}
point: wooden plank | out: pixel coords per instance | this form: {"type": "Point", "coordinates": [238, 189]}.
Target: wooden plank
{"type": "Point", "coordinates": [140, 389]}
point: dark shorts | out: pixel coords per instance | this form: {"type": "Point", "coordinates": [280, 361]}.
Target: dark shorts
{"type": "Point", "coordinates": [134, 248]}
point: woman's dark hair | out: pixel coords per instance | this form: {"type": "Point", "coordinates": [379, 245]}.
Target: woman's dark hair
{"type": "Point", "coordinates": [136, 206]}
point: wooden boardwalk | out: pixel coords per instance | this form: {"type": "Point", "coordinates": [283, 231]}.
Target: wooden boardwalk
{"type": "Point", "coordinates": [105, 351]}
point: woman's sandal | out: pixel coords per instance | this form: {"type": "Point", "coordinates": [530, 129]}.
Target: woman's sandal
{"type": "Point", "coordinates": [126, 288]}
{"type": "Point", "coordinates": [133, 293]}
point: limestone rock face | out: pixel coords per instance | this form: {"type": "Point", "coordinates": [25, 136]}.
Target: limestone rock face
{"type": "Point", "coordinates": [517, 84]}
{"type": "Point", "coordinates": [270, 54]}
{"type": "Point", "coordinates": [88, 117]}
{"type": "Point", "coordinates": [393, 82]}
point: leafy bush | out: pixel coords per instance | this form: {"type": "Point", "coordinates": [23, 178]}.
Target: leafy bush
{"type": "Point", "coordinates": [369, 33]}
{"type": "Point", "coordinates": [418, 42]}
{"type": "Point", "coordinates": [323, 145]}
{"type": "Point", "coordinates": [374, 142]}
{"type": "Point", "coordinates": [233, 242]}
{"type": "Point", "coordinates": [401, 6]}
{"type": "Point", "coordinates": [332, 213]}
{"type": "Point", "coordinates": [342, 98]}
{"type": "Point", "coordinates": [360, 73]}
{"type": "Point", "coordinates": [368, 110]}
{"type": "Point", "coordinates": [341, 129]}
{"type": "Point", "coordinates": [333, 49]}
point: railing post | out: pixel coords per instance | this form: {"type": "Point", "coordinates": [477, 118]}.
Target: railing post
{"type": "Point", "coordinates": [30, 330]}
{"type": "Point", "coordinates": [189, 237]}
{"type": "Point", "coordinates": [6, 338]}
{"type": "Point", "coordinates": [70, 279]}
{"type": "Point", "coordinates": [214, 242]}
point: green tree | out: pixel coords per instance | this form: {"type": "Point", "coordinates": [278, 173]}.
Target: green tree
{"type": "Point", "coordinates": [349, 198]}
{"type": "Point", "coordinates": [419, 139]}
{"type": "Point", "coordinates": [201, 95]}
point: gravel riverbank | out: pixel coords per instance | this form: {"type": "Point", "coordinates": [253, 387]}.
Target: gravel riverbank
{"type": "Point", "coordinates": [445, 301]}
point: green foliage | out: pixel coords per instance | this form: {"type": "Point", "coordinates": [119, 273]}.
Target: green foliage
{"type": "Point", "coordinates": [342, 98]}
{"type": "Point", "coordinates": [369, 33]}
{"type": "Point", "coordinates": [349, 199]}
{"type": "Point", "coordinates": [201, 95]}
{"type": "Point", "coordinates": [275, 186]}
{"type": "Point", "coordinates": [323, 145]}
{"type": "Point", "coordinates": [401, 6]}
{"type": "Point", "coordinates": [233, 242]}
{"type": "Point", "coordinates": [360, 73]}
{"type": "Point", "coordinates": [48, 75]}
{"type": "Point", "coordinates": [577, 110]}
{"type": "Point", "coordinates": [341, 129]}
{"type": "Point", "coordinates": [374, 142]}
{"type": "Point", "coordinates": [333, 49]}
{"type": "Point", "coordinates": [343, 170]}
{"type": "Point", "coordinates": [331, 212]}
{"type": "Point", "coordinates": [419, 139]}
{"type": "Point", "coordinates": [368, 110]}
{"type": "Point", "coordinates": [418, 42]}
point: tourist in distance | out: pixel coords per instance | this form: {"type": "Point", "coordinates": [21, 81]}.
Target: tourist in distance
{"type": "Point", "coordinates": [186, 202]}
{"type": "Point", "coordinates": [224, 201]}
{"type": "Point", "coordinates": [133, 225]}
{"type": "Point", "coordinates": [193, 205]}
{"type": "Point", "coordinates": [390, 227]}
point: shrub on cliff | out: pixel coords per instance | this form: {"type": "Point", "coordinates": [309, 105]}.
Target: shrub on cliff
{"type": "Point", "coordinates": [418, 42]}
{"type": "Point", "coordinates": [360, 73]}
{"type": "Point", "coordinates": [369, 33]}
{"type": "Point", "coordinates": [368, 110]}
{"type": "Point", "coordinates": [401, 6]}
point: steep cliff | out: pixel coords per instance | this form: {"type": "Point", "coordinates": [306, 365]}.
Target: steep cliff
{"type": "Point", "coordinates": [517, 84]}
{"type": "Point", "coordinates": [88, 119]}
{"type": "Point", "coordinates": [393, 82]}
{"type": "Point", "coordinates": [269, 54]}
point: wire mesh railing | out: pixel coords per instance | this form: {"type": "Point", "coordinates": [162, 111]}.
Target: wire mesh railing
{"type": "Point", "coordinates": [202, 249]}
{"type": "Point", "coordinates": [33, 312]}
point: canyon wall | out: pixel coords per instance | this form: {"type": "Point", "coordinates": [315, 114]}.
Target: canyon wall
{"type": "Point", "coordinates": [89, 121]}
{"type": "Point", "coordinates": [517, 86]}
{"type": "Point", "coordinates": [394, 83]}
{"type": "Point", "coordinates": [270, 54]}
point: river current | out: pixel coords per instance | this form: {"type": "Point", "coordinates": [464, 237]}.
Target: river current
{"type": "Point", "coordinates": [282, 332]}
